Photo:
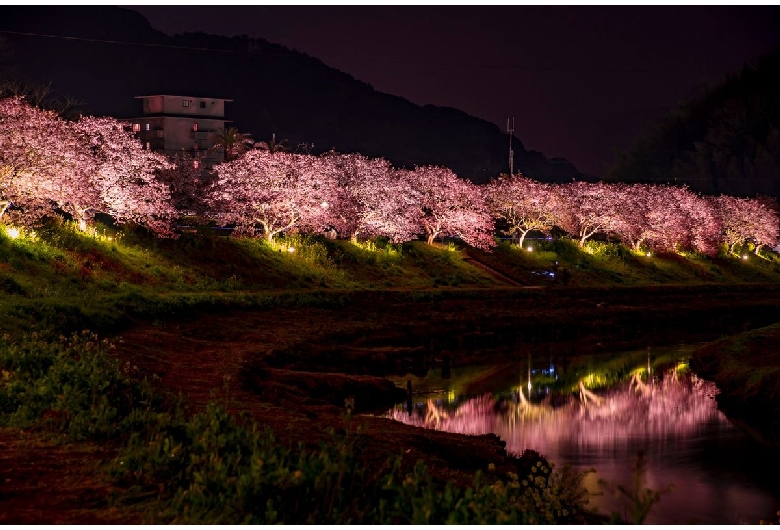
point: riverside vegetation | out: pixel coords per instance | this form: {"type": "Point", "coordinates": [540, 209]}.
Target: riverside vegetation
{"type": "Point", "coordinates": [171, 458]}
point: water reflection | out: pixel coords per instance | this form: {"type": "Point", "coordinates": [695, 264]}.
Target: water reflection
{"type": "Point", "coordinates": [601, 420]}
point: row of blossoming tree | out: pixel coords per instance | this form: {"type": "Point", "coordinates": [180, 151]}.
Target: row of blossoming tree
{"type": "Point", "coordinates": [50, 166]}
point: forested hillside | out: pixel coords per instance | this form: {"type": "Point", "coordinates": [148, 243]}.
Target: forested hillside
{"type": "Point", "coordinates": [725, 141]}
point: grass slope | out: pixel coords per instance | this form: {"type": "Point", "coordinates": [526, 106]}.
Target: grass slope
{"type": "Point", "coordinates": [62, 280]}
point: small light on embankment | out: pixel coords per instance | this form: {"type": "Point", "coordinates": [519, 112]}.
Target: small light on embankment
{"type": "Point", "coordinates": [12, 232]}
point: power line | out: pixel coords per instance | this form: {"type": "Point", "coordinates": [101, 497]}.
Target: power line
{"type": "Point", "coordinates": [150, 45]}
{"type": "Point", "coordinates": [302, 55]}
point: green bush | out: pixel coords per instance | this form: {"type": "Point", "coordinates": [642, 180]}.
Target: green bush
{"type": "Point", "coordinates": [69, 385]}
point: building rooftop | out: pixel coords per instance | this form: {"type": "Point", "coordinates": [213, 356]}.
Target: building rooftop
{"type": "Point", "coordinates": [180, 96]}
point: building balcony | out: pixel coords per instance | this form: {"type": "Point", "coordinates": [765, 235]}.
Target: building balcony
{"type": "Point", "coordinates": [148, 135]}
{"type": "Point", "coordinates": [201, 134]}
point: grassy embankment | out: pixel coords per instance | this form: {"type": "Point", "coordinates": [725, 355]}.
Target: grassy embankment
{"type": "Point", "coordinates": [171, 463]}
{"type": "Point", "coordinates": [746, 369]}
{"type": "Point", "coordinates": [58, 279]}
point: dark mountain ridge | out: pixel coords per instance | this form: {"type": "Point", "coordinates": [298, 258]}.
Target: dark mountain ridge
{"type": "Point", "coordinates": [112, 54]}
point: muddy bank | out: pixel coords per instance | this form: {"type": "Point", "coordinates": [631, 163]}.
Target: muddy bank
{"type": "Point", "coordinates": [746, 369]}
{"type": "Point", "coordinates": [361, 393]}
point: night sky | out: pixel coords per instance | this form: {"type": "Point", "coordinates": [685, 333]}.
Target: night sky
{"type": "Point", "coordinates": [581, 82]}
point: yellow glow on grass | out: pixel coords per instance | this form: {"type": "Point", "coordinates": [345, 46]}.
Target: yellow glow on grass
{"type": "Point", "coordinates": [594, 380]}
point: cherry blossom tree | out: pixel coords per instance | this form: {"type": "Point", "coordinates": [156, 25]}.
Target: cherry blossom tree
{"type": "Point", "coordinates": [747, 220]}
{"type": "Point", "coordinates": [370, 200]}
{"type": "Point", "coordinates": [187, 180]}
{"type": "Point", "coordinates": [278, 191]}
{"type": "Point", "coordinates": [631, 223]}
{"type": "Point", "coordinates": [51, 166]}
{"type": "Point", "coordinates": [523, 204]}
{"type": "Point", "coordinates": [43, 166]}
{"type": "Point", "coordinates": [126, 175]}
{"type": "Point", "coordinates": [450, 206]}
{"type": "Point", "coordinates": [584, 209]}
{"type": "Point", "coordinates": [701, 228]}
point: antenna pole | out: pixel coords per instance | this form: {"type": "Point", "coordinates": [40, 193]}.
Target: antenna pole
{"type": "Point", "coordinates": [511, 130]}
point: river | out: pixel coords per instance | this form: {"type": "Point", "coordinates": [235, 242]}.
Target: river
{"type": "Point", "coordinates": [608, 412]}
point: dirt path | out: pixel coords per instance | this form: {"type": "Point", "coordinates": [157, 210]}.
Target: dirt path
{"type": "Point", "coordinates": [490, 270]}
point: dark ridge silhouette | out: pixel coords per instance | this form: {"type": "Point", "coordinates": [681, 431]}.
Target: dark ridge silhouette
{"type": "Point", "coordinates": [726, 140]}
{"type": "Point", "coordinates": [274, 90]}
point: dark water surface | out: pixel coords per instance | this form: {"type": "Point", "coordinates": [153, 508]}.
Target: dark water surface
{"type": "Point", "coordinates": [601, 412]}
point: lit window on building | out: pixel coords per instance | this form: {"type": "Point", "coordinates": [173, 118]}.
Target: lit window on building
{"type": "Point", "coordinates": [136, 127]}
{"type": "Point", "coordinates": [195, 163]}
{"type": "Point", "coordinates": [185, 103]}
{"type": "Point", "coordinates": [147, 146]}
{"type": "Point", "coordinates": [147, 127]}
{"type": "Point", "coordinates": [195, 127]}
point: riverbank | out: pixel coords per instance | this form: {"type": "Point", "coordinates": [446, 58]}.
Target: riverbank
{"type": "Point", "coordinates": [746, 369]}
{"type": "Point", "coordinates": [301, 342]}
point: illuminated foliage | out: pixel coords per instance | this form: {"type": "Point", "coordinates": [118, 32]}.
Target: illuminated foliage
{"type": "Point", "coordinates": [586, 209]}
{"type": "Point", "coordinates": [275, 191]}
{"type": "Point", "coordinates": [523, 204]}
{"type": "Point", "coordinates": [126, 175]}
{"type": "Point", "coordinates": [450, 206]}
{"type": "Point", "coordinates": [49, 166]}
{"type": "Point", "coordinates": [747, 220]}
{"type": "Point", "coordinates": [370, 199]}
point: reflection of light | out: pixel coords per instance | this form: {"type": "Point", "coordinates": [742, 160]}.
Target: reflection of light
{"type": "Point", "coordinates": [12, 232]}
{"type": "Point", "coordinates": [675, 406]}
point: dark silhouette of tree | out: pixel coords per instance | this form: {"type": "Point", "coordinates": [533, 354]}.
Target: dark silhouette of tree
{"type": "Point", "coordinates": [43, 97]}
{"type": "Point", "coordinates": [273, 146]}
{"type": "Point", "coordinates": [233, 142]}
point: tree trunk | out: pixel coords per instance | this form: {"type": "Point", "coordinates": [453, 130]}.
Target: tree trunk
{"type": "Point", "coordinates": [431, 237]}
{"type": "Point", "coordinates": [522, 238]}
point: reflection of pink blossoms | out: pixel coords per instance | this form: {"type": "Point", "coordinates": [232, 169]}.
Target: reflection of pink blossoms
{"type": "Point", "coordinates": [673, 406]}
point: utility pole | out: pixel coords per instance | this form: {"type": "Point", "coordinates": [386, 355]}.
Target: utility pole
{"type": "Point", "coordinates": [511, 153]}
